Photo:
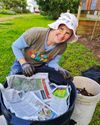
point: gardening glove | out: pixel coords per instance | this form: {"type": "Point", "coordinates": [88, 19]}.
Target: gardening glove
{"type": "Point", "coordinates": [28, 69]}
{"type": "Point", "coordinates": [66, 74]}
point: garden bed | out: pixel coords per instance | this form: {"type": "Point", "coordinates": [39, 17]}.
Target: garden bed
{"type": "Point", "coordinates": [93, 45]}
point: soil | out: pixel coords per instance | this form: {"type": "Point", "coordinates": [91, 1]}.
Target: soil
{"type": "Point", "coordinates": [84, 92]}
{"type": "Point", "coordinates": [93, 45]}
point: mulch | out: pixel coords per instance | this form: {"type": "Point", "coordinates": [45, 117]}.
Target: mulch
{"type": "Point", "coordinates": [93, 45]}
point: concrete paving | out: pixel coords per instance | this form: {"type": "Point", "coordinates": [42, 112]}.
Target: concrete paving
{"type": "Point", "coordinates": [2, 120]}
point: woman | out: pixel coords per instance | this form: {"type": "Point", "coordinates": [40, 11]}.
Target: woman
{"type": "Point", "coordinates": [39, 49]}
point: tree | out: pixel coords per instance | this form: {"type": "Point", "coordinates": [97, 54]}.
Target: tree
{"type": "Point", "coordinates": [16, 5]}
{"type": "Point", "coordinates": [53, 8]}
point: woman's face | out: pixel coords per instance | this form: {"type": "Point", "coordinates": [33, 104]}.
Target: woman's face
{"type": "Point", "coordinates": [61, 34]}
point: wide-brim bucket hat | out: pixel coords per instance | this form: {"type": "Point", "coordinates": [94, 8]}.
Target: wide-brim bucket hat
{"type": "Point", "coordinates": [70, 21]}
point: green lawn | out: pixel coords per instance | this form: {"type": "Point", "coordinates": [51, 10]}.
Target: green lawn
{"type": "Point", "coordinates": [77, 58]}
{"type": "Point", "coordinates": [4, 15]}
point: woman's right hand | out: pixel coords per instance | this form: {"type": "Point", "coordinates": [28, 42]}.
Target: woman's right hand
{"type": "Point", "coordinates": [28, 69]}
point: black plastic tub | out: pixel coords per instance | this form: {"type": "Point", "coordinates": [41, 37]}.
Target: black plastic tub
{"type": "Point", "coordinates": [61, 120]}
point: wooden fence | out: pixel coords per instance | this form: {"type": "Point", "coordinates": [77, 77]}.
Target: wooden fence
{"type": "Point", "coordinates": [89, 28]}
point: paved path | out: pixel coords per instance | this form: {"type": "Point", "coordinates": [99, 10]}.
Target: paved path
{"type": "Point", "coordinates": [7, 18]}
{"type": "Point", "coordinates": [2, 120]}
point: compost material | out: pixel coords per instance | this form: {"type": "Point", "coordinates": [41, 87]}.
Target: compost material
{"type": "Point", "coordinates": [83, 91]}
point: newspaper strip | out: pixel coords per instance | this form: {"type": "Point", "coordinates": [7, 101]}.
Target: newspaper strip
{"type": "Point", "coordinates": [34, 98]}
{"type": "Point", "coordinates": [29, 107]}
{"type": "Point", "coordinates": [38, 83]}
{"type": "Point", "coordinates": [61, 97]}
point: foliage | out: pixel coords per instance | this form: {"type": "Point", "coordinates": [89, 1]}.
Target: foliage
{"type": "Point", "coordinates": [9, 12]}
{"type": "Point", "coordinates": [53, 8]}
{"type": "Point", "coordinates": [14, 5]}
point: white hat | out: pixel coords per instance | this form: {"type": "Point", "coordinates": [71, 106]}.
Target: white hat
{"type": "Point", "coordinates": [70, 21]}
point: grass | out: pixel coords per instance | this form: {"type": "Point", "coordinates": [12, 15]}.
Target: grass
{"type": "Point", "coordinates": [4, 15]}
{"type": "Point", "coordinates": [76, 58]}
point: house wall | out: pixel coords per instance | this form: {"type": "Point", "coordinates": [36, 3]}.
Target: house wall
{"type": "Point", "coordinates": [90, 4]}
{"type": "Point", "coordinates": [93, 4]}
{"type": "Point", "coordinates": [98, 5]}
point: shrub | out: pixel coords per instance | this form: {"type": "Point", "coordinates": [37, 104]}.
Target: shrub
{"type": "Point", "coordinates": [53, 8]}
{"type": "Point", "coordinates": [9, 12]}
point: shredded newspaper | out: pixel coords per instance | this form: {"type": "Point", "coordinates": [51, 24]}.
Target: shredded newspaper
{"type": "Point", "coordinates": [35, 98]}
{"type": "Point", "coordinates": [61, 97]}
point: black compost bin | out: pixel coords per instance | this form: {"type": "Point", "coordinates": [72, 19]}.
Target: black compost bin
{"type": "Point", "coordinates": [61, 120]}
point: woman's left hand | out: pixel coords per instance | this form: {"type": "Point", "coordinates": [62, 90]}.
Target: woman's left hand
{"type": "Point", "coordinates": [66, 74]}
